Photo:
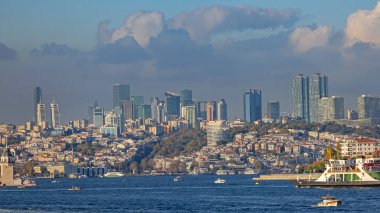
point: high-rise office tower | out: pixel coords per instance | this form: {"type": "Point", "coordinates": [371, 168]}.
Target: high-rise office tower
{"type": "Point", "coordinates": [137, 101]}
{"type": "Point", "coordinates": [352, 114]}
{"type": "Point", "coordinates": [191, 116]}
{"type": "Point", "coordinates": [161, 112]}
{"type": "Point", "coordinates": [330, 108]}
{"type": "Point", "coordinates": [144, 111]}
{"type": "Point", "coordinates": [98, 116]}
{"type": "Point", "coordinates": [186, 97]}
{"type": "Point", "coordinates": [221, 110]}
{"type": "Point", "coordinates": [118, 111]}
{"type": "Point", "coordinates": [121, 92]}
{"type": "Point", "coordinates": [91, 112]}
{"type": "Point", "coordinates": [37, 100]}
{"type": "Point", "coordinates": [318, 88]}
{"type": "Point", "coordinates": [201, 109]}
{"type": "Point", "coordinates": [41, 114]}
{"type": "Point", "coordinates": [252, 105]}
{"type": "Point", "coordinates": [55, 115]}
{"type": "Point", "coordinates": [127, 108]}
{"type": "Point", "coordinates": [300, 92]}
{"type": "Point", "coordinates": [368, 107]}
{"type": "Point", "coordinates": [273, 110]}
{"type": "Point", "coordinates": [211, 108]}
{"type": "Point", "coordinates": [154, 101]}
{"type": "Point", "coordinates": [172, 105]}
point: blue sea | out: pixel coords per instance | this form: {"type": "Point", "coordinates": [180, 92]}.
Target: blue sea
{"type": "Point", "coordinates": [192, 194]}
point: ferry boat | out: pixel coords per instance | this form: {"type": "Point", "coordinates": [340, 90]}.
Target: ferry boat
{"type": "Point", "coordinates": [328, 201]}
{"type": "Point", "coordinates": [114, 174]}
{"type": "Point", "coordinates": [220, 180]}
{"type": "Point", "coordinates": [359, 172]}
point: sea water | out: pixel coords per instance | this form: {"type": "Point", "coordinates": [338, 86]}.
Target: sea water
{"type": "Point", "coordinates": [192, 194]}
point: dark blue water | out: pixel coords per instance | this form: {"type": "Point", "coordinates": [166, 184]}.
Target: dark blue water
{"type": "Point", "coordinates": [193, 194]}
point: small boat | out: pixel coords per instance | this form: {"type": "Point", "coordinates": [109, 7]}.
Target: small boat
{"type": "Point", "coordinates": [55, 181]}
{"type": "Point", "coordinates": [257, 182]}
{"type": "Point", "coordinates": [178, 178]}
{"type": "Point", "coordinates": [220, 180]}
{"type": "Point", "coordinates": [29, 182]}
{"type": "Point", "coordinates": [74, 188]}
{"type": "Point", "coordinates": [328, 201]}
{"type": "Point", "coordinates": [21, 187]}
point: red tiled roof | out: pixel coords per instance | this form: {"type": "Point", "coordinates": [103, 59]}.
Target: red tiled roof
{"type": "Point", "coordinates": [365, 140]}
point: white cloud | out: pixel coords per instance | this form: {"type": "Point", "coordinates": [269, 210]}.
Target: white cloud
{"type": "Point", "coordinates": [363, 26]}
{"type": "Point", "coordinates": [140, 25]}
{"type": "Point", "coordinates": [303, 38]}
{"type": "Point", "coordinates": [203, 22]}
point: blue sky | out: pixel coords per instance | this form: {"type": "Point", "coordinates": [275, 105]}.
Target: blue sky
{"type": "Point", "coordinates": [31, 23]}
{"type": "Point", "coordinates": [75, 50]}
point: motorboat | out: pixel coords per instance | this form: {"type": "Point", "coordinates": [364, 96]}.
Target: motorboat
{"type": "Point", "coordinates": [178, 178]}
{"type": "Point", "coordinates": [219, 180]}
{"type": "Point", "coordinates": [55, 181]}
{"type": "Point", "coordinates": [74, 188]}
{"type": "Point", "coordinates": [257, 182]}
{"type": "Point", "coordinates": [328, 201]}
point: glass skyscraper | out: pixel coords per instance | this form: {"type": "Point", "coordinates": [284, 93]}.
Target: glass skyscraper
{"type": "Point", "coordinates": [186, 97]}
{"type": "Point", "coordinates": [273, 110]}
{"type": "Point", "coordinates": [121, 92]}
{"type": "Point", "coordinates": [318, 89]}
{"type": "Point", "coordinates": [98, 116]}
{"type": "Point", "coordinates": [252, 105]}
{"type": "Point", "coordinates": [172, 104]}
{"type": "Point", "coordinates": [307, 94]}
{"type": "Point", "coordinates": [368, 107]}
{"type": "Point", "coordinates": [300, 92]}
{"type": "Point", "coordinates": [221, 110]}
{"type": "Point", "coordinates": [37, 100]}
{"type": "Point", "coordinates": [137, 101]}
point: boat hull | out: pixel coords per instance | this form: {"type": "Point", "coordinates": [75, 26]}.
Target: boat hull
{"type": "Point", "coordinates": [310, 184]}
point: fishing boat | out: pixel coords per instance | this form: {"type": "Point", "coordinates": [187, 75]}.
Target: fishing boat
{"type": "Point", "coordinates": [74, 188]}
{"type": "Point", "coordinates": [328, 201]}
{"type": "Point", "coordinates": [219, 180]}
{"type": "Point", "coordinates": [359, 172]}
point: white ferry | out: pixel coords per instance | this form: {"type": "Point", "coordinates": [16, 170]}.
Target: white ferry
{"type": "Point", "coordinates": [114, 174]}
{"type": "Point", "coordinates": [219, 180]}
{"type": "Point", "coordinates": [359, 172]}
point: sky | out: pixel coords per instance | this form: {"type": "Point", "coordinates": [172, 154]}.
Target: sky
{"type": "Point", "coordinates": [75, 50]}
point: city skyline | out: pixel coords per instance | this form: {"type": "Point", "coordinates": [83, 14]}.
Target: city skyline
{"type": "Point", "coordinates": [217, 62]}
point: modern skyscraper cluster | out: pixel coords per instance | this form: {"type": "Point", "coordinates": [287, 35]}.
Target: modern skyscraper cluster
{"type": "Point", "coordinates": [306, 95]}
{"type": "Point", "coordinates": [368, 107]}
{"type": "Point", "coordinates": [40, 115]}
{"type": "Point", "coordinates": [273, 110]}
{"type": "Point", "coordinates": [252, 105]}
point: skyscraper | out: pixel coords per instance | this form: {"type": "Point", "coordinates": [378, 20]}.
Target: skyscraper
{"type": "Point", "coordinates": [221, 110]}
{"type": "Point", "coordinates": [55, 115]}
{"type": "Point", "coordinates": [186, 97]}
{"type": "Point", "coordinates": [252, 105]}
{"type": "Point", "coordinates": [121, 92]}
{"type": "Point", "coordinates": [330, 108]}
{"type": "Point", "coordinates": [368, 107]}
{"type": "Point", "coordinates": [318, 89]}
{"type": "Point", "coordinates": [172, 105]}
{"type": "Point", "coordinates": [161, 112]}
{"type": "Point", "coordinates": [127, 108]}
{"type": "Point", "coordinates": [37, 100]}
{"type": "Point", "coordinates": [273, 110]}
{"type": "Point", "coordinates": [137, 101]}
{"type": "Point", "coordinates": [300, 92]}
{"type": "Point", "coordinates": [98, 116]}
{"type": "Point", "coordinates": [41, 114]}
{"type": "Point", "coordinates": [144, 112]}
{"type": "Point", "coordinates": [191, 116]}
{"type": "Point", "coordinates": [91, 112]}
{"type": "Point", "coordinates": [201, 109]}
{"type": "Point", "coordinates": [211, 108]}
{"type": "Point", "coordinates": [154, 101]}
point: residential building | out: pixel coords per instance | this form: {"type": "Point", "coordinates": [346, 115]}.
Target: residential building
{"type": "Point", "coordinates": [55, 115]}
{"type": "Point", "coordinates": [98, 116]}
{"type": "Point", "coordinates": [300, 91]}
{"type": "Point", "coordinates": [331, 108]}
{"type": "Point", "coordinates": [318, 89]}
{"type": "Point", "coordinates": [217, 131]}
{"type": "Point", "coordinates": [359, 147]}
{"type": "Point", "coordinates": [41, 113]}
{"type": "Point", "coordinates": [154, 102]}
